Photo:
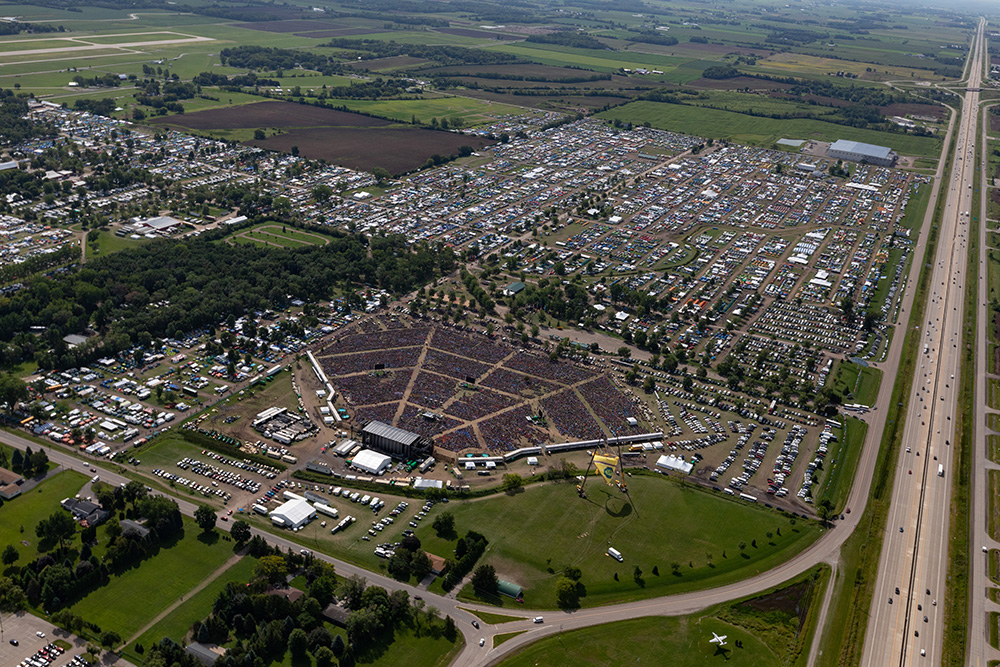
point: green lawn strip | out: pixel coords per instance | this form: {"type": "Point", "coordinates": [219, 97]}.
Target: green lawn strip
{"type": "Point", "coordinates": [993, 481]}
{"type": "Point", "coordinates": [63, 644]}
{"type": "Point", "coordinates": [993, 594]}
{"type": "Point", "coordinates": [993, 562]}
{"type": "Point", "coordinates": [501, 638]}
{"type": "Point", "coordinates": [857, 383]}
{"type": "Point", "coordinates": [19, 516]}
{"type": "Point", "coordinates": [993, 421]}
{"type": "Point", "coordinates": [759, 131]}
{"type": "Point", "coordinates": [993, 447]}
{"type": "Point", "coordinates": [492, 619]}
{"type": "Point", "coordinates": [842, 462]}
{"type": "Point", "coordinates": [993, 393]}
{"type": "Point", "coordinates": [669, 525]}
{"type": "Point", "coordinates": [956, 598]}
{"type": "Point", "coordinates": [133, 598]}
{"type": "Point", "coordinates": [843, 638]}
{"type": "Point", "coordinates": [992, 621]}
{"type": "Point", "coordinates": [176, 624]}
{"type": "Point", "coordinates": [766, 625]}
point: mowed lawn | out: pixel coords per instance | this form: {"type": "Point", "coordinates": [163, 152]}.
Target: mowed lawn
{"type": "Point", "coordinates": [548, 526]}
{"type": "Point", "coordinates": [26, 510]}
{"type": "Point", "coordinates": [176, 624]}
{"type": "Point", "coordinates": [718, 124]}
{"type": "Point", "coordinates": [653, 640]}
{"type": "Point", "coordinates": [132, 599]}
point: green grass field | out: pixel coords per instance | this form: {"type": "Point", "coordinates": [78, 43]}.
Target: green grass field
{"type": "Point", "coordinates": [713, 123]}
{"type": "Point", "coordinates": [273, 234]}
{"type": "Point", "coordinates": [857, 383]}
{"type": "Point", "coordinates": [842, 462]}
{"type": "Point", "coordinates": [548, 526]}
{"type": "Point", "coordinates": [177, 623]}
{"type": "Point", "coordinates": [678, 642]}
{"type": "Point", "coordinates": [135, 597]}
{"type": "Point", "coordinates": [18, 517]}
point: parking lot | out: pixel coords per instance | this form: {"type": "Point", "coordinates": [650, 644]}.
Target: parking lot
{"type": "Point", "coordinates": [23, 629]}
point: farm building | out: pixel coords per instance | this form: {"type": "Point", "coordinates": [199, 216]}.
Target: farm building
{"type": "Point", "coordinates": [371, 462]}
{"type": "Point", "coordinates": [509, 589]}
{"type": "Point", "coordinates": [394, 441]}
{"type": "Point", "coordinates": [293, 514]}
{"type": "Point", "coordinates": [856, 151]}
{"type": "Point", "coordinates": [207, 654]}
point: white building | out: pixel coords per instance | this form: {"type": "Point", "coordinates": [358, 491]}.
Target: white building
{"type": "Point", "coordinates": [857, 151]}
{"type": "Point", "coordinates": [371, 462]}
{"type": "Point", "coordinates": [293, 514]}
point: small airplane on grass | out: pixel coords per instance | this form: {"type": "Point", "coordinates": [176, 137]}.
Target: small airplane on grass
{"type": "Point", "coordinates": [716, 639]}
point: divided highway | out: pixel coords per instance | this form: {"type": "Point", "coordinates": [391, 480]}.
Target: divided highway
{"type": "Point", "coordinates": [914, 560]}
{"type": "Point", "coordinates": [906, 621]}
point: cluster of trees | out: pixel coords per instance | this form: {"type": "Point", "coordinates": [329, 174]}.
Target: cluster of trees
{"type": "Point", "coordinates": [234, 82]}
{"type": "Point", "coordinates": [720, 72]}
{"type": "Point", "coordinates": [482, 297]}
{"type": "Point", "coordinates": [29, 463]}
{"type": "Point", "coordinates": [792, 36]}
{"type": "Point", "coordinates": [571, 38]}
{"type": "Point", "coordinates": [17, 27]}
{"type": "Point", "coordinates": [442, 80]}
{"type": "Point", "coordinates": [650, 36]}
{"type": "Point", "coordinates": [271, 58]}
{"type": "Point", "coordinates": [57, 578]}
{"type": "Point", "coordinates": [409, 560]}
{"type": "Point", "coordinates": [563, 302]}
{"type": "Point", "coordinates": [369, 49]}
{"type": "Point", "coordinates": [204, 282]}
{"type": "Point", "coordinates": [468, 549]}
{"type": "Point", "coordinates": [14, 124]}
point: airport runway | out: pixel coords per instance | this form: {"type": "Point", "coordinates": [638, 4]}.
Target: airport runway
{"type": "Point", "coordinates": [906, 621]}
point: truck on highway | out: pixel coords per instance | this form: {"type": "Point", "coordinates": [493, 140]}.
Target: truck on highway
{"type": "Point", "coordinates": [940, 470]}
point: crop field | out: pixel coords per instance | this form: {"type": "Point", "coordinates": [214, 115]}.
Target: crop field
{"type": "Point", "coordinates": [278, 235]}
{"type": "Point", "coordinates": [660, 525]}
{"type": "Point", "coordinates": [785, 64]}
{"type": "Point", "coordinates": [758, 131]}
{"type": "Point", "coordinates": [471, 112]}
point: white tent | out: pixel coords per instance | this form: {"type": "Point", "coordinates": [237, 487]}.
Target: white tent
{"type": "Point", "coordinates": [371, 461]}
{"type": "Point", "coordinates": [293, 514]}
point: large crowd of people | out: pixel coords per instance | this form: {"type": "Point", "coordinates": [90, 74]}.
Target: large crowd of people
{"type": "Point", "coordinates": [478, 404]}
{"type": "Point", "coordinates": [371, 388]}
{"type": "Point", "coordinates": [378, 340]}
{"type": "Point", "coordinates": [345, 364]}
{"type": "Point", "coordinates": [431, 390]}
{"type": "Point", "coordinates": [473, 346]}
{"type": "Point", "coordinates": [413, 420]}
{"type": "Point", "coordinates": [517, 384]}
{"type": "Point", "coordinates": [570, 416]}
{"type": "Point", "coordinates": [609, 404]}
{"type": "Point", "coordinates": [510, 430]}
{"type": "Point", "coordinates": [453, 365]}
{"type": "Point", "coordinates": [563, 372]}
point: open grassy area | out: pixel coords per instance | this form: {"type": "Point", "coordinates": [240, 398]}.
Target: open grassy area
{"type": "Point", "coordinates": [679, 642]}
{"type": "Point", "coordinates": [857, 383]}
{"type": "Point", "coordinates": [773, 628]}
{"type": "Point", "coordinates": [503, 637]}
{"type": "Point", "coordinates": [135, 597]}
{"type": "Point", "coordinates": [535, 534]}
{"type": "Point", "coordinates": [18, 517]}
{"type": "Point", "coordinates": [843, 462]}
{"type": "Point", "coordinates": [758, 131]}
{"type": "Point", "coordinates": [176, 624]}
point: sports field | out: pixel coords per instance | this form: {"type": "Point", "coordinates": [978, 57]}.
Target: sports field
{"type": "Point", "coordinates": [548, 526]}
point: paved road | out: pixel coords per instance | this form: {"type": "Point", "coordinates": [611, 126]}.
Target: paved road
{"type": "Point", "coordinates": [906, 625]}
{"type": "Point", "coordinates": [979, 651]}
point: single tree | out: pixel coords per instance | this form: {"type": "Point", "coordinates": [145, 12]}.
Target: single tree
{"type": "Point", "coordinates": [204, 516]}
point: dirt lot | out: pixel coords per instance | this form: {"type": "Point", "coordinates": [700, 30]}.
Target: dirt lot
{"type": "Point", "coordinates": [483, 34]}
{"type": "Point", "coordinates": [933, 110]}
{"type": "Point", "coordinates": [271, 114]}
{"type": "Point", "coordinates": [398, 149]}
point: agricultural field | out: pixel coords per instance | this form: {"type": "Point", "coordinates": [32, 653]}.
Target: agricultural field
{"type": "Point", "coordinates": [352, 140]}
{"type": "Point", "coordinates": [761, 131]}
